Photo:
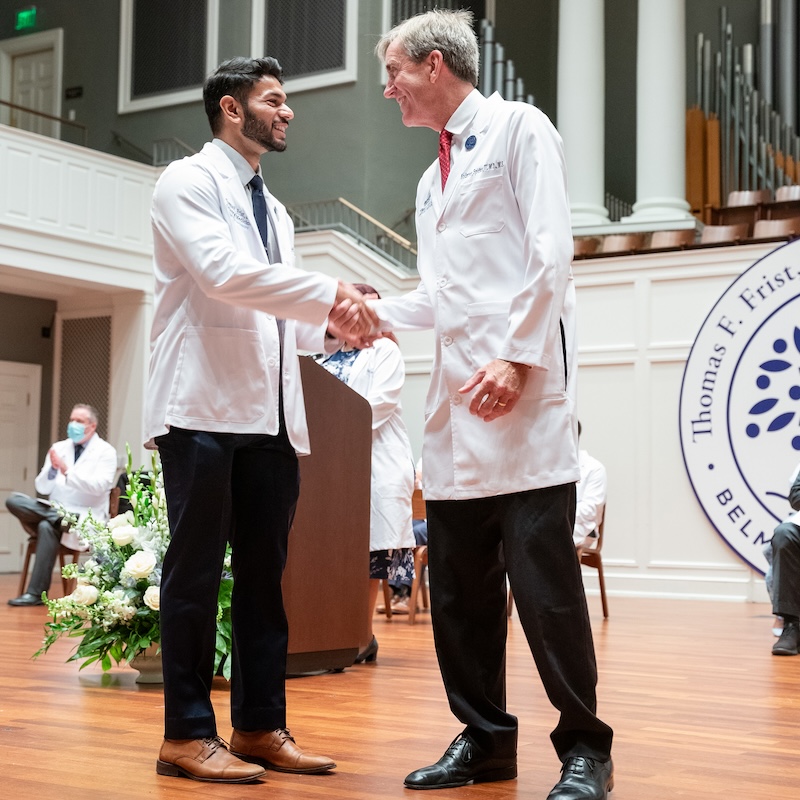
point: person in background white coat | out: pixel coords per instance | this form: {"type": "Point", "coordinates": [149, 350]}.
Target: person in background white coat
{"type": "Point", "coordinates": [590, 501]}
{"type": "Point", "coordinates": [224, 406]}
{"type": "Point", "coordinates": [78, 475]}
{"type": "Point", "coordinates": [500, 440]}
{"type": "Point", "coordinates": [378, 374]}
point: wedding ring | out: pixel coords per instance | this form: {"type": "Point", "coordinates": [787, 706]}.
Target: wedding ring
{"type": "Point", "coordinates": [502, 405]}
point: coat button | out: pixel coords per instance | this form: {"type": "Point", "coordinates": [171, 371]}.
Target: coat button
{"type": "Point", "coordinates": [457, 399]}
{"type": "Point", "coordinates": [441, 283]}
{"type": "Point", "coordinates": [441, 227]}
{"type": "Point", "coordinates": [271, 362]}
{"type": "Point", "coordinates": [447, 340]}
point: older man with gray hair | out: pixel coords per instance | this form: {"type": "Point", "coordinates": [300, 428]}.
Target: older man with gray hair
{"type": "Point", "coordinates": [500, 444]}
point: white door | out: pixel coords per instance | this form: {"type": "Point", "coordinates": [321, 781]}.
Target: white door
{"type": "Point", "coordinates": [20, 387]}
{"type": "Point", "coordinates": [33, 86]}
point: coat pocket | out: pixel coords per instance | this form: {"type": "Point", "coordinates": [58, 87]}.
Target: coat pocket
{"type": "Point", "coordinates": [221, 376]}
{"type": "Point", "coordinates": [481, 206]}
{"type": "Point", "coordinates": [487, 325]}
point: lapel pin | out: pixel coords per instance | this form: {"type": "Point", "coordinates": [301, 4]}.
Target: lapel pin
{"type": "Point", "coordinates": [471, 142]}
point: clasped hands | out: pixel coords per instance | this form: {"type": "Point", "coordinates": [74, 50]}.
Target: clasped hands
{"type": "Point", "coordinates": [351, 319]}
{"type": "Point", "coordinates": [57, 461]}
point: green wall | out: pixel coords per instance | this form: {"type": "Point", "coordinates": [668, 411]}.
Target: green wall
{"type": "Point", "coordinates": [347, 140]}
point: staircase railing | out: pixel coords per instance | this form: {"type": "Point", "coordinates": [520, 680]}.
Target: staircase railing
{"type": "Point", "coordinates": [341, 215]}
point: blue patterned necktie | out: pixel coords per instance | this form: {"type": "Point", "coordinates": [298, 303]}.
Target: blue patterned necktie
{"type": "Point", "coordinates": [259, 206]}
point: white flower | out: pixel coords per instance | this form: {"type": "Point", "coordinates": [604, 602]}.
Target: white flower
{"type": "Point", "coordinates": [152, 597]}
{"type": "Point", "coordinates": [123, 534]}
{"type": "Point", "coordinates": [84, 595]}
{"type": "Point", "coordinates": [140, 564]}
{"type": "Point", "coordinates": [120, 519]}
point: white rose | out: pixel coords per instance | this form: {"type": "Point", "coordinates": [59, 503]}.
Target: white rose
{"type": "Point", "coordinates": [152, 597]}
{"type": "Point", "coordinates": [84, 595]}
{"type": "Point", "coordinates": [140, 564]}
{"type": "Point", "coordinates": [123, 534]}
{"type": "Point", "coordinates": [120, 520]}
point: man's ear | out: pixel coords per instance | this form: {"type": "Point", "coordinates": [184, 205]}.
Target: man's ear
{"type": "Point", "coordinates": [435, 65]}
{"type": "Point", "coordinates": [231, 108]}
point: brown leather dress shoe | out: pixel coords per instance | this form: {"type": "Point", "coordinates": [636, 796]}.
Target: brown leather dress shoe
{"type": "Point", "coordinates": [277, 750]}
{"type": "Point", "coordinates": [204, 760]}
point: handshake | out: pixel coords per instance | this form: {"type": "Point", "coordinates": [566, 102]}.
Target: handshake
{"type": "Point", "coordinates": [351, 319]}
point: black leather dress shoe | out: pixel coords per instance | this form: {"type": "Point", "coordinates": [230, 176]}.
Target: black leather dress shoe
{"type": "Point", "coordinates": [462, 764]}
{"type": "Point", "coordinates": [26, 599]}
{"type": "Point", "coordinates": [789, 642]}
{"type": "Point", "coordinates": [584, 779]}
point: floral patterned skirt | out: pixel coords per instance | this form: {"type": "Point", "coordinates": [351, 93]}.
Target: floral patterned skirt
{"type": "Point", "coordinates": [397, 564]}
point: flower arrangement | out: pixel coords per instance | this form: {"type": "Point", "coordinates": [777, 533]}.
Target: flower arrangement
{"type": "Point", "coordinates": [114, 608]}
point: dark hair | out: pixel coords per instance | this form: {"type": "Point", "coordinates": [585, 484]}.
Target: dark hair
{"type": "Point", "coordinates": [236, 77]}
{"type": "Point", "coordinates": [365, 288]}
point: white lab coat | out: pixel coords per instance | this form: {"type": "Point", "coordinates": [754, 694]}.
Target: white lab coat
{"type": "Point", "coordinates": [590, 497]}
{"type": "Point", "coordinates": [215, 350]}
{"type": "Point", "coordinates": [494, 263]}
{"type": "Point", "coordinates": [85, 487]}
{"type": "Point", "coordinates": [377, 375]}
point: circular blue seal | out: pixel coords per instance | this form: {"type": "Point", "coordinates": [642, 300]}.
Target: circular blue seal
{"type": "Point", "coordinates": [740, 404]}
{"type": "Point", "coordinates": [471, 142]}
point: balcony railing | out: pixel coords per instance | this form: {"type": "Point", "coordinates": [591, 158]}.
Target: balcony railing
{"type": "Point", "coordinates": [28, 119]}
{"type": "Point", "coordinates": [341, 215]}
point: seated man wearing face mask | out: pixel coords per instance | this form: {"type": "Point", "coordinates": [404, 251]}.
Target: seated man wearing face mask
{"type": "Point", "coordinates": [78, 475]}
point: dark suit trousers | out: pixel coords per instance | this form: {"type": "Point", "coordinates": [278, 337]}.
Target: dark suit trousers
{"type": "Point", "coordinates": [222, 487]}
{"type": "Point", "coordinates": [47, 521]}
{"type": "Point", "coordinates": [468, 543]}
{"type": "Point", "coordinates": [786, 570]}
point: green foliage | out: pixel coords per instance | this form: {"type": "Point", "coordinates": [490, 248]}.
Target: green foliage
{"type": "Point", "coordinates": [114, 609]}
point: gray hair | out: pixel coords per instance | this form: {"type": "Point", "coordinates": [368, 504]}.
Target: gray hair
{"type": "Point", "coordinates": [90, 410]}
{"type": "Point", "coordinates": [450, 32]}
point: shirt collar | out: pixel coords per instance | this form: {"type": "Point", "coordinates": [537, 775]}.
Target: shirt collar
{"type": "Point", "coordinates": [462, 117]}
{"type": "Point", "coordinates": [240, 164]}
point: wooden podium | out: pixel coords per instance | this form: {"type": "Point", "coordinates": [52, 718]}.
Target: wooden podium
{"type": "Point", "coordinates": [326, 582]}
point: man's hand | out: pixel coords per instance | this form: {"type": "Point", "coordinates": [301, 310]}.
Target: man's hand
{"type": "Point", "coordinates": [499, 386]}
{"type": "Point", "coordinates": [57, 461]}
{"type": "Point", "coordinates": [351, 318]}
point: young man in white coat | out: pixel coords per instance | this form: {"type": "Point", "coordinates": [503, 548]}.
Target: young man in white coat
{"type": "Point", "coordinates": [500, 443]}
{"type": "Point", "coordinates": [225, 409]}
{"type": "Point", "coordinates": [78, 475]}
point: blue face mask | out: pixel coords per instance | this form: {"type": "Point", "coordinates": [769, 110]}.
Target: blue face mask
{"type": "Point", "coordinates": [76, 431]}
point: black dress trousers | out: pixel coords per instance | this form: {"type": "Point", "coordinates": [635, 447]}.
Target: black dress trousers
{"type": "Point", "coordinates": [471, 544]}
{"type": "Point", "coordinates": [222, 487]}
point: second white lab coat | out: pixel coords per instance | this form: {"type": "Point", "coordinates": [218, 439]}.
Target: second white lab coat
{"type": "Point", "coordinates": [377, 375]}
{"type": "Point", "coordinates": [85, 487]}
{"type": "Point", "coordinates": [215, 348]}
{"type": "Point", "coordinates": [495, 282]}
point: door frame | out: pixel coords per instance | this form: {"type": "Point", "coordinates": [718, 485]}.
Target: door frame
{"type": "Point", "coordinates": [32, 43]}
{"type": "Point", "coordinates": [34, 373]}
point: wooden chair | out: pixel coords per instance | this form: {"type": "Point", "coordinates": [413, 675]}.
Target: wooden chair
{"type": "Point", "coordinates": [622, 243]}
{"type": "Point", "coordinates": [724, 233]}
{"type": "Point", "coordinates": [586, 245]}
{"type": "Point", "coordinates": [63, 552]}
{"type": "Point", "coordinates": [418, 587]}
{"type": "Point", "coordinates": [593, 558]}
{"type": "Point", "coordinates": [791, 192]}
{"type": "Point", "coordinates": [672, 239]}
{"type": "Point", "coordinates": [749, 197]}
{"type": "Point", "coordinates": [589, 558]}
{"type": "Point", "coordinates": [770, 228]}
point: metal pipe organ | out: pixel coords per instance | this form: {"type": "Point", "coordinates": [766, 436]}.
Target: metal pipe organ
{"type": "Point", "coordinates": [752, 91]}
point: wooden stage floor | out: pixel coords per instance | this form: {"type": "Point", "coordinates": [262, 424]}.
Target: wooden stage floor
{"type": "Point", "coordinates": [700, 707]}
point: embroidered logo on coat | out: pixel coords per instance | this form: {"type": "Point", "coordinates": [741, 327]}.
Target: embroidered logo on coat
{"type": "Point", "coordinates": [238, 214]}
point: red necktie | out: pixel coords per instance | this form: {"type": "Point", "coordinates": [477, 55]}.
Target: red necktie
{"type": "Point", "coordinates": [445, 139]}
